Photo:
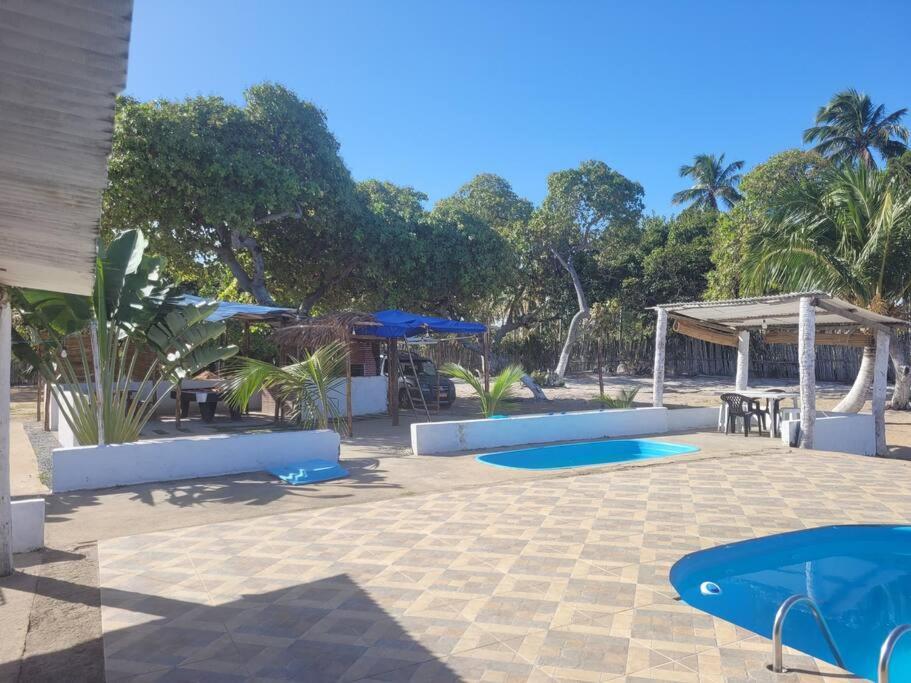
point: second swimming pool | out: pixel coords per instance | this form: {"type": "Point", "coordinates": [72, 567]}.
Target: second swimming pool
{"type": "Point", "coordinates": [567, 455]}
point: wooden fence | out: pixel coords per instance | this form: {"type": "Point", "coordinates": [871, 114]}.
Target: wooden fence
{"type": "Point", "coordinates": [685, 356]}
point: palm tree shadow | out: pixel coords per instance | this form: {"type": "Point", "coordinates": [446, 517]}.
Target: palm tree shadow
{"type": "Point", "coordinates": [325, 630]}
{"type": "Point", "coordinates": [256, 488]}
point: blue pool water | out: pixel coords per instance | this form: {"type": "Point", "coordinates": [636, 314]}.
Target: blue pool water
{"type": "Point", "coordinates": [583, 454]}
{"type": "Point", "coordinates": [860, 576]}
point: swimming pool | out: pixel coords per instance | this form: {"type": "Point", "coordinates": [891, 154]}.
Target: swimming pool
{"type": "Point", "coordinates": [859, 576]}
{"type": "Point", "coordinates": [567, 455]}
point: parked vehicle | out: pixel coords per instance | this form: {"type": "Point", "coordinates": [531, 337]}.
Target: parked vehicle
{"type": "Point", "coordinates": [423, 374]}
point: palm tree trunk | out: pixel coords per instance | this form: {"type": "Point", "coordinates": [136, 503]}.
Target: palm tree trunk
{"type": "Point", "coordinates": [857, 396]}
{"type": "Point", "coordinates": [573, 332]}
{"type": "Point", "coordinates": [898, 352]}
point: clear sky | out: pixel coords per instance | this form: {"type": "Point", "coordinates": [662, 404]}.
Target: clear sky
{"type": "Point", "coordinates": [429, 93]}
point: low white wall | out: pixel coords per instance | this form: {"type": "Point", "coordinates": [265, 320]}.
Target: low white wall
{"type": "Point", "coordinates": [839, 432]}
{"type": "Point", "coordinates": [28, 524]}
{"type": "Point", "coordinates": [685, 419]}
{"type": "Point", "coordinates": [368, 396]}
{"type": "Point", "coordinates": [92, 467]}
{"type": "Point", "coordinates": [446, 437]}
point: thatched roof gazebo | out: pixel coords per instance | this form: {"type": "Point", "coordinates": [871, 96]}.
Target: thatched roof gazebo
{"type": "Point", "coordinates": [786, 317]}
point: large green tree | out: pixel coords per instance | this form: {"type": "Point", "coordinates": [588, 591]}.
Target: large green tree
{"type": "Point", "coordinates": [759, 187]}
{"type": "Point", "coordinates": [714, 182]}
{"type": "Point", "coordinates": [444, 261]}
{"type": "Point", "coordinates": [258, 190]}
{"type": "Point", "coordinates": [850, 128]}
{"type": "Point", "coordinates": [581, 206]}
{"type": "Point", "coordinates": [847, 232]}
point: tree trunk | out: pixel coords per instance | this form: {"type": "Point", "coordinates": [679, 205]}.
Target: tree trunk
{"type": "Point", "coordinates": [572, 333]}
{"type": "Point", "coordinates": [898, 352]}
{"type": "Point", "coordinates": [857, 396]}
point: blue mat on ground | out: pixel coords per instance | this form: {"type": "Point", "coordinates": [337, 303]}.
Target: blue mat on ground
{"type": "Point", "coordinates": [310, 472]}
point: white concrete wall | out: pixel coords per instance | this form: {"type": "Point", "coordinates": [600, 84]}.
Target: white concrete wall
{"type": "Point", "coordinates": [459, 435]}
{"type": "Point", "coordinates": [28, 524]}
{"type": "Point", "coordinates": [368, 396]}
{"type": "Point", "coordinates": [686, 419]}
{"type": "Point", "coordinates": [839, 432]}
{"type": "Point", "coordinates": [91, 467]}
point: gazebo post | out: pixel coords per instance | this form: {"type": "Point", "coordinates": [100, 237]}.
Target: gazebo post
{"type": "Point", "coordinates": [348, 383]}
{"type": "Point", "coordinates": [880, 370]}
{"type": "Point", "coordinates": [6, 512]}
{"type": "Point", "coordinates": [658, 373]}
{"type": "Point", "coordinates": [742, 379]}
{"type": "Point", "coordinates": [806, 353]}
{"type": "Point", "coordinates": [485, 341]}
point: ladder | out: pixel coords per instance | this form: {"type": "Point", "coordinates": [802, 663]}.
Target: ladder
{"type": "Point", "coordinates": [413, 392]}
{"type": "Point", "coordinates": [778, 626]}
{"type": "Point", "coordinates": [885, 653]}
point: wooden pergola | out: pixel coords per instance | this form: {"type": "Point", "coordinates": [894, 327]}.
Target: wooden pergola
{"type": "Point", "coordinates": [731, 321]}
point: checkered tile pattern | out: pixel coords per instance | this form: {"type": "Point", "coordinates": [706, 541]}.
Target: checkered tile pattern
{"type": "Point", "coordinates": [553, 579]}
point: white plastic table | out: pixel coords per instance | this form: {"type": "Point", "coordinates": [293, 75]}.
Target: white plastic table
{"type": "Point", "coordinates": [773, 399]}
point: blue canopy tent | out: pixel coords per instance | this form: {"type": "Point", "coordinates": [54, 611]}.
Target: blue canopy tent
{"type": "Point", "coordinates": [402, 324]}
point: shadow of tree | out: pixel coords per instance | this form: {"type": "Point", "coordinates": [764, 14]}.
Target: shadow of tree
{"type": "Point", "coordinates": [325, 630]}
{"type": "Point", "coordinates": [257, 488]}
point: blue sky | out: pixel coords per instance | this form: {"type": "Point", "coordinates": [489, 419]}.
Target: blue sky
{"type": "Point", "coordinates": [430, 93]}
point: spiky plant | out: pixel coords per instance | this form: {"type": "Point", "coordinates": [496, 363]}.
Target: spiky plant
{"type": "Point", "coordinates": [625, 398]}
{"type": "Point", "coordinates": [502, 386]}
{"type": "Point", "coordinates": [312, 385]}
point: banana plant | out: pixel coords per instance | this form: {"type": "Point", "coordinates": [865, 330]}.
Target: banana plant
{"type": "Point", "coordinates": [502, 386]}
{"type": "Point", "coordinates": [131, 310]}
{"type": "Point", "coordinates": [310, 385]}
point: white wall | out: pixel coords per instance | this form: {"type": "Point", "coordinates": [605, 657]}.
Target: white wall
{"type": "Point", "coordinates": [686, 419]}
{"type": "Point", "coordinates": [446, 437]}
{"type": "Point", "coordinates": [368, 396]}
{"type": "Point", "coordinates": [91, 467]}
{"type": "Point", "coordinates": [839, 432]}
{"type": "Point", "coordinates": [28, 524]}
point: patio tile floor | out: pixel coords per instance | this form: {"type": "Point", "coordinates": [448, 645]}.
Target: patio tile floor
{"type": "Point", "coordinates": [557, 579]}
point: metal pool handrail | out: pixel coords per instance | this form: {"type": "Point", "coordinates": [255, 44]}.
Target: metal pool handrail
{"type": "Point", "coordinates": [885, 653]}
{"type": "Point", "coordinates": [778, 626]}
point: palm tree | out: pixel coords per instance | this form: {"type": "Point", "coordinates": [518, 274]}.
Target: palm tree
{"type": "Point", "coordinates": [849, 128]}
{"type": "Point", "coordinates": [847, 233]}
{"type": "Point", "coordinates": [501, 386]}
{"type": "Point", "coordinates": [713, 182]}
{"type": "Point", "coordinates": [310, 385]}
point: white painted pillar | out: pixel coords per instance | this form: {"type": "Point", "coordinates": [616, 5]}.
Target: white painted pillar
{"type": "Point", "coordinates": [658, 372]}
{"type": "Point", "coordinates": [742, 379]}
{"type": "Point", "coordinates": [880, 370]}
{"type": "Point", "coordinates": [806, 353]}
{"type": "Point", "coordinates": [6, 510]}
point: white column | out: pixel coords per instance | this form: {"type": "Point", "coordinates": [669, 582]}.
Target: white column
{"type": "Point", "coordinates": [880, 370]}
{"type": "Point", "coordinates": [6, 511]}
{"type": "Point", "coordinates": [806, 353]}
{"type": "Point", "coordinates": [658, 373]}
{"type": "Point", "coordinates": [743, 360]}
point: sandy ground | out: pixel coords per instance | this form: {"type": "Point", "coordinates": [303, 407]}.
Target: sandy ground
{"type": "Point", "coordinates": [49, 609]}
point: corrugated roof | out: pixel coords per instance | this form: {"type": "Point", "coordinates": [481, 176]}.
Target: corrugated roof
{"type": "Point", "coordinates": [779, 310]}
{"type": "Point", "coordinates": [240, 311]}
{"type": "Point", "coordinates": [62, 63]}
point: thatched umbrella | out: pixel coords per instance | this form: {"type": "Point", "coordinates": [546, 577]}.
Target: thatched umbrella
{"type": "Point", "coordinates": [312, 333]}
